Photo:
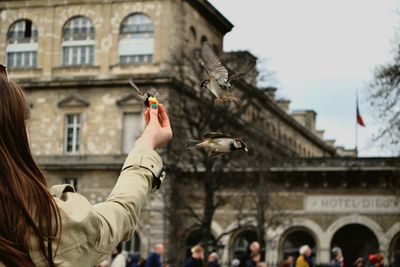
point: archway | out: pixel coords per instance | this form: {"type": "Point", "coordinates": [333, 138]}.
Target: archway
{"type": "Point", "coordinates": [355, 240]}
{"type": "Point", "coordinates": [242, 241]}
{"type": "Point", "coordinates": [294, 240]}
{"type": "Point", "coordinates": [395, 251]}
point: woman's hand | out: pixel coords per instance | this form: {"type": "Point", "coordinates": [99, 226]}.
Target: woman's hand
{"type": "Point", "coordinates": [158, 130]}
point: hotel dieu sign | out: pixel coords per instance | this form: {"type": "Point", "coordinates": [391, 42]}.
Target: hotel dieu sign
{"type": "Point", "coordinates": [351, 203]}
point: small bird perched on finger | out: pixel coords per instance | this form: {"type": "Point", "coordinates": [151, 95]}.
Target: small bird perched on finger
{"type": "Point", "coordinates": [218, 80]}
{"type": "Point", "coordinates": [148, 97]}
{"type": "Point", "coordinates": [217, 144]}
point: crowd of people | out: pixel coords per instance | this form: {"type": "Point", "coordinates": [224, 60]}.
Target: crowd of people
{"type": "Point", "coordinates": [251, 258]}
{"type": "Point", "coordinates": [124, 259]}
{"type": "Point", "coordinates": [305, 259]}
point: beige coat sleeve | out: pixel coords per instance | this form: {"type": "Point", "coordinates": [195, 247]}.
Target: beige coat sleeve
{"type": "Point", "coordinates": [90, 232]}
{"type": "Point", "coordinates": [120, 212]}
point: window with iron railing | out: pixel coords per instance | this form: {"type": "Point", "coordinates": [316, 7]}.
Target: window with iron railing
{"type": "Point", "coordinates": [136, 42]}
{"type": "Point", "coordinates": [22, 45]}
{"type": "Point", "coordinates": [78, 42]}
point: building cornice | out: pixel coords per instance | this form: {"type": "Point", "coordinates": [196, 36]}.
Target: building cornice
{"type": "Point", "coordinates": [266, 102]}
{"type": "Point", "coordinates": [120, 81]}
{"type": "Point", "coordinates": [142, 80]}
{"type": "Point", "coordinates": [115, 162]}
{"type": "Point", "coordinates": [89, 162]}
{"type": "Point", "coordinates": [211, 14]}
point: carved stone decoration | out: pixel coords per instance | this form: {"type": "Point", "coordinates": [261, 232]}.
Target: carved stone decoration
{"type": "Point", "coordinates": [130, 99]}
{"type": "Point", "coordinates": [73, 101]}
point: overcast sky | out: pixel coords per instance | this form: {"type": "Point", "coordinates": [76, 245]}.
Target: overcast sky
{"type": "Point", "coordinates": [321, 52]}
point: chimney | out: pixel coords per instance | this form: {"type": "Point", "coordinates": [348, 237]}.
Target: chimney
{"type": "Point", "coordinates": [306, 118]}
{"type": "Point", "coordinates": [320, 134]}
{"type": "Point", "coordinates": [330, 142]}
{"type": "Point", "coordinates": [283, 104]}
{"type": "Point", "coordinates": [343, 152]}
{"type": "Point", "coordinates": [269, 92]}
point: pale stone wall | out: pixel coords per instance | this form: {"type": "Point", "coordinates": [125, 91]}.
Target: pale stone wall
{"type": "Point", "coordinates": [101, 126]}
{"type": "Point", "coordinates": [172, 22]}
{"type": "Point", "coordinates": [202, 27]}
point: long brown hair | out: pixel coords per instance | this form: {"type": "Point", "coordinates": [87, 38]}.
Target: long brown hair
{"type": "Point", "coordinates": [27, 209]}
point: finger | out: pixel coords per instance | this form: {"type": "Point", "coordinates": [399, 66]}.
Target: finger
{"type": "Point", "coordinates": [164, 120]}
{"type": "Point", "coordinates": [147, 116]}
{"type": "Point", "coordinates": [153, 110]}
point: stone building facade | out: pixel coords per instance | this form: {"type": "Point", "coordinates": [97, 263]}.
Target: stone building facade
{"type": "Point", "coordinates": [74, 59]}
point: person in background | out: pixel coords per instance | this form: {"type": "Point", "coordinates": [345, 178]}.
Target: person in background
{"type": "Point", "coordinates": [376, 260]}
{"type": "Point", "coordinates": [196, 260]}
{"type": "Point", "coordinates": [235, 263]}
{"type": "Point", "coordinates": [154, 259]}
{"type": "Point", "coordinates": [360, 262]}
{"type": "Point", "coordinates": [253, 249]}
{"type": "Point", "coordinates": [120, 260]}
{"type": "Point", "coordinates": [337, 260]}
{"type": "Point", "coordinates": [213, 260]}
{"type": "Point", "coordinates": [133, 260]}
{"type": "Point", "coordinates": [255, 260]}
{"type": "Point", "coordinates": [288, 262]}
{"type": "Point", "coordinates": [141, 262]}
{"type": "Point", "coordinates": [304, 260]}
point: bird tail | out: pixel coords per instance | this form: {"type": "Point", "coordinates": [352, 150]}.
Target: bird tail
{"type": "Point", "coordinates": [190, 144]}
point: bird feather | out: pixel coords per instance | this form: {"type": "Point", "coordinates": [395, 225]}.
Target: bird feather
{"type": "Point", "coordinates": [213, 64]}
{"type": "Point", "coordinates": [240, 74]}
{"type": "Point", "coordinates": [135, 87]}
{"type": "Point", "coordinates": [216, 135]}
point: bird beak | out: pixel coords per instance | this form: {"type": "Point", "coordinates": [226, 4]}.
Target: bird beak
{"type": "Point", "coordinates": [245, 149]}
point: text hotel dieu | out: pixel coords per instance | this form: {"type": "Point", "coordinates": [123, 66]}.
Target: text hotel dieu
{"type": "Point", "coordinates": [351, 203]}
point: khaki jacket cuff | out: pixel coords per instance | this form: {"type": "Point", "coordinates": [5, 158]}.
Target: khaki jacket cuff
{"type": "Point", "coordinates": [140, 158]}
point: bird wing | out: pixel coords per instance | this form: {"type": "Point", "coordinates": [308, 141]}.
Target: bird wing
{"type": "Point", "coordinates": [215, 88]}
{"type": "Point", "coordinates": [216, 135]}
{"type": "Point", "coordinates": [213, 154]}
{"type": "Point", "coordinates": [213, 65]}
{"type": "Point", "coordinates": [135, 87]}
{"type": "Point", "coordinates": [240, 74]}
{"type": "Point", "coordinates": [152, 91]}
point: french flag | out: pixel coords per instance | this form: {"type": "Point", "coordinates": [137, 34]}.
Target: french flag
{"type": "Point", "coordinates": [359, 118]}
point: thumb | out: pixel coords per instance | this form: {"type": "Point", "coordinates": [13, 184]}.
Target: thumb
{"type": "Point", "coordinates": [154, 113]}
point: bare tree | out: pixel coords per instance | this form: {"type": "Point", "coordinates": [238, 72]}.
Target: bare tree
{"type": "Point", "coordinates": [384, 97]}
{"type": "Point", "coordinates": [194, 191]}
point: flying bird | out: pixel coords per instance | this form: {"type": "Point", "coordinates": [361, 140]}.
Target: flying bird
{"type": "Point", "coordinates": [217, 144]}
{"type": "Point", "coordinates": [144, 95]}
{"type": "Point", "coordinates": [218, 80]}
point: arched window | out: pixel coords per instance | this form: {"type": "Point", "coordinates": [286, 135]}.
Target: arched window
{"type": "Point", "coordinates": [193, 36]}
{"type": "Point", "coordinates": [355, 240]}
{"type": "Point", "coordinates": [78, 42]}
{"type": "Point", "coordinates": [203, 39]}
{"type": "Point", "coordinates": [294, 240]}
{"type": "Point", "coordinates": [242, 242]}
{"type": "Point", "coordinates": [22, 45]}
{"type": "Point", "coordinates": [394, 253]}
{"type": "Point", "coordinates": [136, 42]}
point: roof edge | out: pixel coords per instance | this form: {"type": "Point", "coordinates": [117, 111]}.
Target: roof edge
{"type": "Point", "coordinates": [206, 9]}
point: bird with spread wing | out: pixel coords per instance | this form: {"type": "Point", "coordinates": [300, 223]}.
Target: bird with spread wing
{"type": "Point", "coordinates": [216, 144]}
{"type": "Point", "coordinates": [218, 80]}
{"type": "Point", "coordinates": [146, 94]}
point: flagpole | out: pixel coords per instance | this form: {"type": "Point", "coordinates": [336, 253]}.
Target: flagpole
{"type": "Point", "coordinates": [356, 148]}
